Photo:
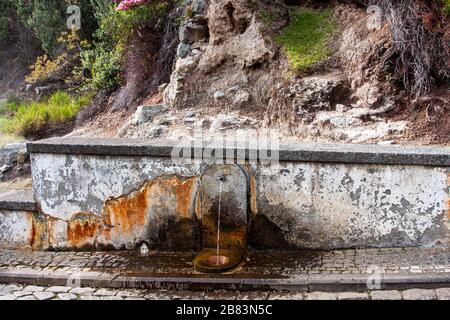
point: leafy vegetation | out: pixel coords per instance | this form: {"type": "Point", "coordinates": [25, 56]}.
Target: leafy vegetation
{"type": "Point", "coordinates": [306, 40]}
{"type": "Point", "coordinates": [446, 6]}
{"type": "Point", "coordinates": [103, 59]}
{"type": "Point", "coordinates": [60, 68]}
{"type": "Point", "coordinates": [30, 117]}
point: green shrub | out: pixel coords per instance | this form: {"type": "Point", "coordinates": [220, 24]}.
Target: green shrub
{"type": "Point", "coordinates": [306, 40]}
{"type": "Point", "coordinates": [48, 22]}
{"type": "Point", "coordinates": [30, 117]}
{"type": "Point", "coordinates": [104, 58]}
{"type": "Point", "coordinates": [446, 6]}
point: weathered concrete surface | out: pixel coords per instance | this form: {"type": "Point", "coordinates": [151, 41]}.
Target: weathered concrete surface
{"type": "Point", "coordinates": [114, 201]}
{"type": "Point", "coordinates": [16, 229]}
{"type": "Point", "coordinates": [18, 200]}
{"type": "Point", "coordinates": [340, 205]}
{"type": "Point", "coordinates": [19, 225]}
{"type": "Point", "coordinates": [160, 213]}
{"type": "Point", "coordinates": [292, 152]}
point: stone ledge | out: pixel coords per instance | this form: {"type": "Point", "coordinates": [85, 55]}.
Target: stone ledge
{"type": "Point", "coordinates": [18, 200]}
{"type": "Point", "coordinates": [292, 152]}
{"type": "Point", "coordinates": [327, 283]}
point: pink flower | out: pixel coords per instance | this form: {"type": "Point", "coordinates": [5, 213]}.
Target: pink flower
{"type": "Point", "coordinates": [129, 4]}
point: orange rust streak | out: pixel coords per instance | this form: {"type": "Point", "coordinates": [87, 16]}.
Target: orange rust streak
{"type": "Point", "coordinates": [80, 232]}
{"type": "Point", "coordinates": [32, 236]}
{"type": "Point", "coordinates": [448, 210]}
{"type": "Point", "coordinates": [253, 198]}
{"type": "Point", "coordinates": [130, 213]}
{"type": "Point", "coordinates": [183, 191]}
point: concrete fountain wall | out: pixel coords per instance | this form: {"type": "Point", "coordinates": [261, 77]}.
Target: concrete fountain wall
{"type": "Point", "coordinates": [115, 194]}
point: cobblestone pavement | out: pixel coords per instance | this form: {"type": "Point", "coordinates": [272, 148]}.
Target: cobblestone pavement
{"type": "Point", "coordinates": [19, 292]}
{"type": "Point", "coordinates": [258, 263]}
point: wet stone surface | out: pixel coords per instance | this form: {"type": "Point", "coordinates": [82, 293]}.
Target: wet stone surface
{"type": "Point", "coordinates": [261, 264]}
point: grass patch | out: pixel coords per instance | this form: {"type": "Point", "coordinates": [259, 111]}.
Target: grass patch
{"type": "Point", "coordinates": [446, 6]}
{"type": "Point", "coordinates": [30, 117]}
{"type": "Point", "coordinates": [306, 40]}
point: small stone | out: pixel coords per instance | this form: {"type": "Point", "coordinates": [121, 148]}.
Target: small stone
{"type": "Point", "coordinates": [82, 291]}
{"type": "Point", "coordinates": [143, 250]}
{"type": "Point", "coordinates": [341, 108]}
{"type": "Point", "coordinates": [130, 293]}
{"type": "Point", "coordinates": [147, 113]}
{"type": "Point", "coordinates": [220, 295]}
{"type": "Point", "coordinates": [352, 296]}
{"type": "Point", "coordinates": [386, 143]}
{"type": "Point", "coordinates": [162, 87]}
{"type": "Point", "coordinates": [192, 32]}
{"type": "Point", "coordinates": [386, 295]}
{"type": "Point", "coordinates": [219, 95]}
{"type": "Point", "coordinates": [321, 296]}
{"type": "Point", "coordinates": [67, 296]}
{"type": "Point", "coordinates": [22, 156]}
{"type": "Point", "coordinates": [224, 122]}
{"type": "Point", "coordinates": [43, 295]}
{"type": "Point", "coordinates": [419, 294]}
{"type": "Point", "coordinates": [285, 296]}
{"type": "Point", "coordinates": [160, 295]}
{"type": "Point", "coordinates": [5, 168]}
{"type": "Point", "coordinates": [89, 298]}
{"type": "Point", "coordinates": [241, 97]}
{"type": "Point", "coordinates": [105, 292]}
{"type": "Point", "coordinates": [253, 295]}
{"type": "Point", "coordinates": [58, 289]}
{"type": "Point", "coordinates": [338, 122]}
{"type": "Point", "coordinates": [165, 121]}
{"type": "Point", "coordinates": [10, 288]}
{"type": "Point", "coordinates": [111, 298]}
{"type": "Point", "coordinates": [190, 120]}
{"type": "Point", "coordinates": [189, 114]}
{"type": "Point", "coordinates": [22, 293]}
{"type": "Point", "coordinates": [28, 297]}
{"type": "Point", "coordinates": [185, 65]}
{"type": "Point", "coordinates": [198, 6]}
{"type": "Point", "coordinates": [34, 288]}
{"type": "Point", "coordinates": [8, 296]}
{"type": "Point", "coordinates": [156, 132]}
{"type": "Point", "coordinates": [188, 295]}
{"type": "Point", "coordinates": [183, 49]}
{"type": "Point", "coordinates": [443, 293]}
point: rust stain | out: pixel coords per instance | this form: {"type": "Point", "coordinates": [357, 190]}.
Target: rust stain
{"type": "Point", "coordinates": [183, 191]}
{"type": "Point", "coordinates": [126, 217]}
{"type": "Point", "coordinates": [38, 232]}
{"type": "Point", "coordinates": [82, 229]}
{"type": "Point", "coordinates": [32, 235]}
{"type": "Point", "coordinates": [51, 227]}
{"type": "Point", "coordinates": [448, 210]}
{"type": "Point", "coordinates": [198, 206]}
{"type": "Point", "coordinates": [253, 198]}
{"type": "Point", "coordinates": [128, 213]}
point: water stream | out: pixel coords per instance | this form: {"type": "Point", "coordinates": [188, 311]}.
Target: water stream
{"type": "Point", "coordinates": [218, 224]}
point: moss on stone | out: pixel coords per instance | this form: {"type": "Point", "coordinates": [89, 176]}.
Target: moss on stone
{"type": "Point", "coordinates": [306, 40]}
